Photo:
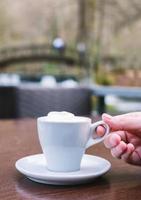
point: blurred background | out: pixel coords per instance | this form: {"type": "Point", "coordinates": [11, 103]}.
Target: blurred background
{"type": "Point", "coordinates": [71, 43]}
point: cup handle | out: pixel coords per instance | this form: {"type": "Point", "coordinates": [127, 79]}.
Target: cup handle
{"type": "Point", "coordinates": [93, 128]}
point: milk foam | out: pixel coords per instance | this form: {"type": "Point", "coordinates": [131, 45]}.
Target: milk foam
{"type": "Point", "coordinates": [63, 116]}
{"type": "Point", "coordinates": [60, 116]}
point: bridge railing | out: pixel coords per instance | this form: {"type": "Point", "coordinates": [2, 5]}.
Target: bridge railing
{"type": "Point", "coordinates": [26, 51]}
{"type": "Point", "coordinates": [13, 50]}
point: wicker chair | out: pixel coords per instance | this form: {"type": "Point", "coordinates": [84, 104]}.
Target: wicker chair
{"type": "Point", "coordinates": [37, 101]}
{"type": "Point", "coordinates": [7, 102]}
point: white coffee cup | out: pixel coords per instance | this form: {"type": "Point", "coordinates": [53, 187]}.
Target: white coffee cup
{"type": "Point", "coordinates": [64, 141]}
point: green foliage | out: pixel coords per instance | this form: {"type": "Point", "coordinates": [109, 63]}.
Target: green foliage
{"type": "Point", "coordinates": [104, 78]}
{"type": "Point", "coordinates": [62, 69]}
{"type": "Point", "coordinates": [51, 68]}
{"type": "Point", "coordinates": [119, 70]}
{"type": "Point", "coordinates": [111, 109]}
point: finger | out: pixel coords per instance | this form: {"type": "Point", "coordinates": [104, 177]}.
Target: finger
{"type": "Point", "coordinates": [128, 122]}
{"type": "Point", "coordinates": [112, 140]}
{"type": "Point", "coordinates": [126, 155]}
{"type": "Point", "coordinates": [122, 135]}
{"type": "Point", "coordinates": [134, 158]}
{"type": "Point", "coordinates": [100, 131]}
{"type": "Point", "coordinates": [119, 150]}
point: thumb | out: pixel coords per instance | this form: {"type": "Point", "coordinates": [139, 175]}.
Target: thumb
{"type": "Point", "coordinates": [125, 122]}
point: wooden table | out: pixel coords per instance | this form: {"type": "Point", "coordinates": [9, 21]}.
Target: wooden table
{"type": "Point", "coordinates": [18, 138]}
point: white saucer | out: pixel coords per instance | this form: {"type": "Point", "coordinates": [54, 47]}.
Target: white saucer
{"type": "Point", "coordinates": [34, 167]}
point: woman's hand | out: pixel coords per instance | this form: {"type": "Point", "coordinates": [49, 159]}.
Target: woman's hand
{"type": "Point", "coordinates": [124, 139]}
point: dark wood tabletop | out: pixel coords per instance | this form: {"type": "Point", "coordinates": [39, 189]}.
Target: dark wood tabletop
{"type": "Point", "coordinates": [18, 138]}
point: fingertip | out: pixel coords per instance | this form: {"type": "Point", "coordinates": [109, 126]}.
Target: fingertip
{"type": "Point", "coordinates": [119, 149]}
{"type": "Point", "coordinates": [115, 139]}
{"type": "Point", "coordinates": [106, 117]}
{"type": "Point", "coordinates": [100, 131]}
{"type": "Point", "coordinates": [123, 145]}
{"type": "Point", "coordinates": [112, 140]}
{"type": "Point", "coordinates": [128, 154]}
{"type": "Point", "coordinates": [131, 147]}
